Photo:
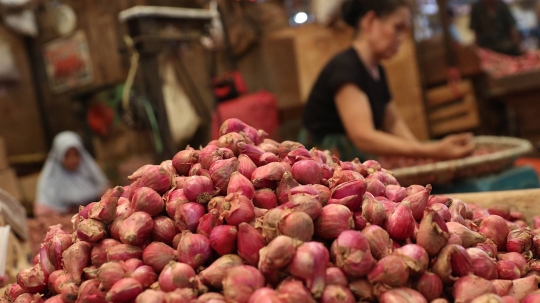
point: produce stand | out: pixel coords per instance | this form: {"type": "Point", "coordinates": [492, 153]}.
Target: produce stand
{"type": "Point", "coordinates": [515, 82]}
{"type": "Point", "coordinates": [500, 87]}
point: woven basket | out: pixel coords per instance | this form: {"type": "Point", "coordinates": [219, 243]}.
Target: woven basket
{"type": "Point", "coordinates": [507, 151]}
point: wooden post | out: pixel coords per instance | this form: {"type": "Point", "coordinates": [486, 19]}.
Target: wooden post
{"type": "Point", "coordinates": [451, 60]}
{"type": "Point", "coordinates": [149, 71]}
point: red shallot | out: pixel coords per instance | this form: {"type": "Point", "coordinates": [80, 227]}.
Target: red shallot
{"type": "Point", "coordinates": [309, 264]}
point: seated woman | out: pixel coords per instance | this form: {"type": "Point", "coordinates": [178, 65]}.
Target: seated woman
{"type": "Point", "coordinates": [69, 178]}
{"type": "Point", "coordinates": [350, 110]}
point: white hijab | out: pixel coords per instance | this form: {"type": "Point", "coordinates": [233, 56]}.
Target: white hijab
{"type": "Point", "coordinates": [61, 189]}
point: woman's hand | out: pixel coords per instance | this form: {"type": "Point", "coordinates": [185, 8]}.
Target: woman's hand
{"type": "Point", "coordinates": [453, 147]}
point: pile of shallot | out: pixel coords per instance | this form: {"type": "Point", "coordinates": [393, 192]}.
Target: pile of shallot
{"type": "Point", "coordinates": [249, 220]}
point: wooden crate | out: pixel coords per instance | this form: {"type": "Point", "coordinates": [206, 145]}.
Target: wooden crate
{"type": "Point", "coordinates": [433, 64]}
{"type": "Point", "coordinates": [448, 113]}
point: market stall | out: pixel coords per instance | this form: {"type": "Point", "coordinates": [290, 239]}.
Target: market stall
{"type": "Point", "coordinates": [239, 219]}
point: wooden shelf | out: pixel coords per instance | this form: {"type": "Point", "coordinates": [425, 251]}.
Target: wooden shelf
{"type": "Point", "coordinates": [513, 84]}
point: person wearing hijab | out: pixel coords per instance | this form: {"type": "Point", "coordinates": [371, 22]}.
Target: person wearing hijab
{"type": "Point", "coordinates": [69, 178]}
{"type": "Point", "coordinates": [350, 109]}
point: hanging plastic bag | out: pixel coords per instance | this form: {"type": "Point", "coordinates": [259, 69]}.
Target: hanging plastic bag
{"type": "Point", "coordinates": [183, 119]}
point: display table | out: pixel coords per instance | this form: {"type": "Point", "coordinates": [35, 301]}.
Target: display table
{"type": "Point", "coordinates": [519, 94]}
{"type": "Point", "coordinates": [517, 178]}
{"type": "Point", "coordinates": [525, 201]}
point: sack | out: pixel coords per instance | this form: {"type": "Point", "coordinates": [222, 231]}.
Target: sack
{"type": "Point", "coordinates": [183, 119]}
{"type": "Point", "coordinates": [258, 110]}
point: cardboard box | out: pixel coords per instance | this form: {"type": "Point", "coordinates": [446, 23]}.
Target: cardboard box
{"type": "Point", "coordinates": [4, 163]}
{"type": "Point", "coordinates": [9, 183]}
{"type": "Point", "coordinates": [294, 57]}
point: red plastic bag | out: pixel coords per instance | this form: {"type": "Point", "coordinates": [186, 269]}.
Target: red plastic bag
{"type": "Point", "coordinates": [258, 110]}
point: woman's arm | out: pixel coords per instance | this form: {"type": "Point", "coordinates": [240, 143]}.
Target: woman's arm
{"type": "Point", "coordinates": [355, 112]}
{"type": "Point", "coordinates": [395, 124]}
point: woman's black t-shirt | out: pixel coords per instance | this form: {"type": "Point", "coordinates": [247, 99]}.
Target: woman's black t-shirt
{"type": "Point", "coordinates": [321, 116]}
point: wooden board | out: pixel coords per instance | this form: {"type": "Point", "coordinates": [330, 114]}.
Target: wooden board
{"type": "Point", "coordinates": [282, 74]}
{"type": "Point", "coordinates": [450, 114]}
{"type": "Point", "coordinates": [406, 86]}
{"type": "Point", "coordinates": [525, 201]}
{"type": "Point", "coordinates": [9, 183]}
{"type": "Point", "coordinates": [444, 94]}
{"type": "Point", "coordinates": [466, 105]}
{"type": "Point", "coordinates": [315, 46]}
{"type": "Point", "coordinates": [20, 123]}
{"type": "Point", "coordinates": [514, 84]}
{"type": "Point", "coordinates": [467, 121]}
{"type": "Point", "coordinates": [432, 61]}
{"type": "Point", "coordinates": [294, 58]}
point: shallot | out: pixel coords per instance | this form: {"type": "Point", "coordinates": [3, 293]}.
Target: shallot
{"type": "Point", "coordinates": [246, 219]}
{"type": "Point", "coordinates": [194, 249]}
{"type": "Point", "coordinates": [309, 264]}
{"type": "Point", "coordinates": [241, 282]}
{"type": "Point", "coordinates": [402, 294]}
{"type": "Point", "coordinates": [337, 293]}
{"type": "Point", "coordinates": [157, 255]}
{"type": "Point", "coordinates": [215, 273]}
{"type": "Point", "coordinates": [223, 239]}
{"type": "Point", "coordinates": [333, 220]}
{"type": "Point", "coordinates": [239, 209]}
{"type": "Point", "coordinates": [176, 275]}
{"type": "Point", "coordinates": [390, 270]}
{"type": "Point", "coordinates": [249, 242]}
{"type": "Point", "coordinates": [294, 291]}
{"type": "Point", "coordinates": [430, 286]}
{"type": "Point", "coordinates": [470, 287]}
{"type": "Point", "coordinates": [351, 253]}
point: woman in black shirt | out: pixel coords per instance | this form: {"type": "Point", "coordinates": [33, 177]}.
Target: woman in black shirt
{"type": "Point", "coordinates": [350, 107]}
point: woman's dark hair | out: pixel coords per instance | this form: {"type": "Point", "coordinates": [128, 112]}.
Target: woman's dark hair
{"type": "Point", "coordinates": [354, 10]}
